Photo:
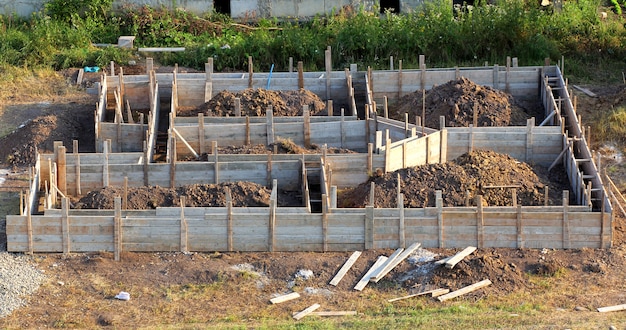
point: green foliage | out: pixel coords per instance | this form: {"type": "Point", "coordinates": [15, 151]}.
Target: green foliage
{"type": "Point", "coordinates": [61, 36]}
{"type": "Point", "coordinates": [611, 126]}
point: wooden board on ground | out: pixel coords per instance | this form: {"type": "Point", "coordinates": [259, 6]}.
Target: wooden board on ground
{"type": "Point", "coordinates": [366, 278]}
{"type": "Point", "coordinates": [465, 290]}
{"type": "Point", "coordinates": [330, 313]}
{"type": "Point", "coordinates": [286, 297]}
{"type": "Point", "coordinates": [433, 293]}
{"type": "Point", "coordinates": [389, 266]}
{"type": "Point", "coordinates": [344, 269]}
{"type": "Point", "coordinates": [306, 312]}
{"type": "Point", "coordinates": [459, 256]}
{"type": "Point", "coordinates": [612, 308]}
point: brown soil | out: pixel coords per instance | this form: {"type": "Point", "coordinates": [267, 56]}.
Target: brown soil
{"type": "Point", "coordinates": [459, 101]}
{"type": "Point", "coordinates": [232, 289]}
{"type": "Point", "coordinates": [479, 172]}
{"type": "Point", "coordinates": [243, 194]}
{"type": "Point", "coordinates": [254, 102]}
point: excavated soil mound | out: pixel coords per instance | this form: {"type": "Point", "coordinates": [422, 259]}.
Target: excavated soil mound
{"type": "Point", "coordinates": [458, 100]}
{"type": "Point", "coordinates": [69, 122]}
{"type": "Point", "coordinates": [254, 102]}
{"type": "Point", "coordinates": [481, 172]}
{"type": "Point", "coordinates": [198, 195]}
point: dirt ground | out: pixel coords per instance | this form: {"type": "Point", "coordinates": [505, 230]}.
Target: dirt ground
{"type": "Point", "coordinates": [200, 290]}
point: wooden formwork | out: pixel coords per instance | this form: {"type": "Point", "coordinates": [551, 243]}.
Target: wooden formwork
{"type": "Point", "coordinates": [389, 145]}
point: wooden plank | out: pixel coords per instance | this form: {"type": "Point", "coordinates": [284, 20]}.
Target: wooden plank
{"type": "Point", "coordinates": [612, 308]}
{"type": "Point", "coordinates": [344, 269]}
{"type": "Point", "coordinates": [464, 290]}
{"type": "Point", "coordinates": [286, 297]}
{"type": "Point", "coordinates": [391, 258]}
{"type": "Point", "coordinates": [366, 278]}
{"type": "Point", "coordinates": [306, 312]}
{"type": "Point", "coordinates": [331, 313]}
{"type": "Point", "coordinates": [459, 256]}
{"type": "Point", "coordinates": [395, 262]}
{"type": "Point", "coordinates": [433, 293]}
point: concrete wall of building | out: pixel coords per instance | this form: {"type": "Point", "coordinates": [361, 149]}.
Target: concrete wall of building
{"type": "Point", "coordinates": [238, 8]}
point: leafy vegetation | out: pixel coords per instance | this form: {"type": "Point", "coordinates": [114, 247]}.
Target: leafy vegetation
{"type": "Point", "coordinates": [63, 33]}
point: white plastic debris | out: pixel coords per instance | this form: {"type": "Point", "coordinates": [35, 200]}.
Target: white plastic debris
{"type": "Point", "coordinates": [123, 296]}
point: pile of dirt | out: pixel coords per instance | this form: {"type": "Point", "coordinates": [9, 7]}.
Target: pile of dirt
{"type": "Point", "coordinates": [63, 123]}
{"type": "Point", "coordinates": [480, 172]}
{"type": "Point", "coordinates": [254, 103]}
{"type": "Point", "coordinates": [459, 101]}
{"type": "Point", "coordinates": [197, 195]}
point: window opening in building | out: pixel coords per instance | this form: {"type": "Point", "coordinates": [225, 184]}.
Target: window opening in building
{"type": "Point", "coordinates": [391, 5]}
{"type": "Point", "coordinates": [222, 7]}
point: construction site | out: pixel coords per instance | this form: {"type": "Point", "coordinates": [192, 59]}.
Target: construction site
{"type": "Point", "coordinates": [352, 160]}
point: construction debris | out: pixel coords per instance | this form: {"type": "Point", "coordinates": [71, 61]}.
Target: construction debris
{"type": "Point", "coordinates": [450, 263]}
{"type": "Point", "coordinates": [306, 312]}
{"type": "Point", "coordinates": [395, 262]}
{"type": "Point", "coordinates": [465, 290]}
{"type": "Point", "coordinates": [612, 308]}
{"type": "Point", "coordinates": [433, 293]}
{"type": "Point", "coordinates": [331, 313]}
{"type": "Point", "coordinates": [286, 297]}
{"type": "Point", "coordinates": [366, 278]}
{"type": "Point", "coordinates": [344, 269]}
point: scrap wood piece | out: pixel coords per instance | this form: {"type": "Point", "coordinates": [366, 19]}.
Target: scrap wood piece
{"type": "Point", "coordinates": [395, 262]}
{"type": "Point", "coordinates": [586, 91]}
{"type": "Point", "coordinates": [331, 313]}
{"type": "Point", "coordinates": [286, 297]}
{"type": "Point", "coordinates": [465, 290]}
{"type": "Point", "coordinates": [391, 258]}
{"type": "Point", "coordinates": [433, 293]}
{"type": "Point", "coordinates": [612, 308]}
{"type": "Point", "coordinates": [443, 261]}
{"type": "Point", "coordinates": [366, 278]}
{"type": "Point", "coordinates": [344, 269]}
{"type": "Point", "coordinates": [459, 256]}
{"type": "Point", "coordinates": [306, 312]}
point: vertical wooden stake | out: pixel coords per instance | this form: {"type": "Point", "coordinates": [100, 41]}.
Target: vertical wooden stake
{"type": "Point", "coordinates": [216, 165]}
{"type": "Point", "coordinates": [329, 108]}
{"type": "Point", "coordinates": [290, 64]}
{"type": "Point", "coordinates": [29, 223]}
{"type": "Point", "coordinates": [325, 221]}
{"type": "Point", "coordinates": [269, 125]}
{"type": "Point", "coordinates": [183, 226]}
{"type": "Point", "coordinates": [329, 67]}
{"type": "Point", "coordinates": [370, 158]}
{"type": "Point", "coordinates": [117, 228]}
{"type": "Point", "coordinates": [386, 106]}
{"type": "Point", "coordinates": [247, 130]}
{"type": "Point", "coordinates": [399, 79]}
{"type": "Point", "coordinates": [369, 227]}
{"type": "Point", "coordinates": [250, 71]}
{"type": "Point", "coordinates": [269, 169]}
{"type": "Point", "coordinates": [65, 225]}
{"type": "Point", "coordinates": [201, 133]}
{"type": "Point", "coordinates": [401, 232]}
{"type": "Point", "coordinates": [520, 229]}
{"type": "Point", "coordinates": [440, 224]}
{"type": "Point", "coordinates": [125, 200]}
{"type": "Point", "coordinates": [300, 75]}
{"type": "Point", "coordinates": [229, 220]}
{"type": "Point", "coordinates": [545, 196]}
{"type": "Point", "coordinates": [480, 232]}
{"type": "Point", "coordinates": [307, 126]}
{"type": "Point", "coordinates": [372, 191]}
{"type": "Point", "coordinates": [566, 231]}
{"type": "Point", "coordinates": [237, 107]}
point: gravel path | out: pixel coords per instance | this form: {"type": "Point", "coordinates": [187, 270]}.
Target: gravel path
{"type": "Point", "coordinates": [18, 279]}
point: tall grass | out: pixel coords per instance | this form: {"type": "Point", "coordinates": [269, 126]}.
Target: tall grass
{"type": "Point", "coordinates": [60, 38]}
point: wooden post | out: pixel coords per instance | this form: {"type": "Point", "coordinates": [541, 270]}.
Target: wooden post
{"type": "Point", "coordinates": [62, 169]}
{"type": "Point", "coordinates": [329, 67]}
{"type": "Point", "coordinates": [443, 146]}
{"type": "Point", "coordinates": [183, 226]}
{"type": "Point", "coordinates": [269, 125]}
{"type": "Point", "coordinates": [237, 107]}
{"type": "Point", "coordinates": [112, 68]}
{"type": "Point", "coordinates": [370, 158]}
{"type": "Point", "coordinates": [173, 162]}
{"type": "Point", "coordinates": [125, 200]}
{"type": "Point", "coordinates": [480, 232]}
{"type": "Point", "coordinates": [117, 230]}
{"type": "Point", "coordinates": [29, 222]}
{"type": "Point", "coordinates": [530, 123]}
{"type": "Point", "coordinates": [440, 224]}
{"type": "Point", "coordinates": [391, 63]}
{"type": "Point", "coordinates": [545, 196]}
{"type": "Point", "coordinates": [208, 83]}
{"type": "Point", "coordinates": [520, 229]}
{"type": "Point", "coordinates": [247, 130]}
{"type": "Point", "coordinates": [307, 126]}
{"type": "Point", "coordinates": [399, 79]}
{"type": "Point", "coordinates": [333, 197]}
{"type": "Point", "coordinates": [566, 231]}
{"type": "Point", "coordinates": [343, 130]}
{"type": "Point", "coordinates": [514, 197]}
{"type": "Point", "coordinates": [65, 225]}
{"type": "Point", "coordinates": [496, 77]}
{"type": "Point", "coordinates": [401, 232]}
{"type": "Point", "coordinates": [506, 77]}
{"type": "Point", "coordinates": [146, 179]}
{"type": "Point", "coordinates": [105, 166]}
{"type": "Point", "coordinates": [77, 167]}
{"type": "Point", "coordinates": [422, 64]}
{"type": "Point", "coordinates": [149, 65]}
{"type": "Point", "coordinates": [201, 133]}
{"type": "Point", "coordinates": [369, 227]}
{"type": "Point", "coordinates": [216, 164]}
{"type": "Point", "coordinates": [372, 190]}
{"type": "Point", "coordinates": [250, 71]}
{"type": "Point", "coordinates": [325, 222]}
{"type": "Point", "coordinates": [229, 220]}
{"type": "Point", "coordinates": [290, 64]}
{"type": "Point", "coordinates": [272, 225]}
{"type": "Point", "coordinates": [300, 75]}
{"type": "Point", "coordinates": [269, 169]}
{"type": "Point", "coordinates": [385, 106]}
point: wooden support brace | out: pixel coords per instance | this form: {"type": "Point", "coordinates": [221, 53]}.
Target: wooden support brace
{"type": "Point", "coordinates": [345, 268]}
{"type": "Point", "coordinates": [450, 263]}
{"type": "Point", "coordinates": [366, 278]}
